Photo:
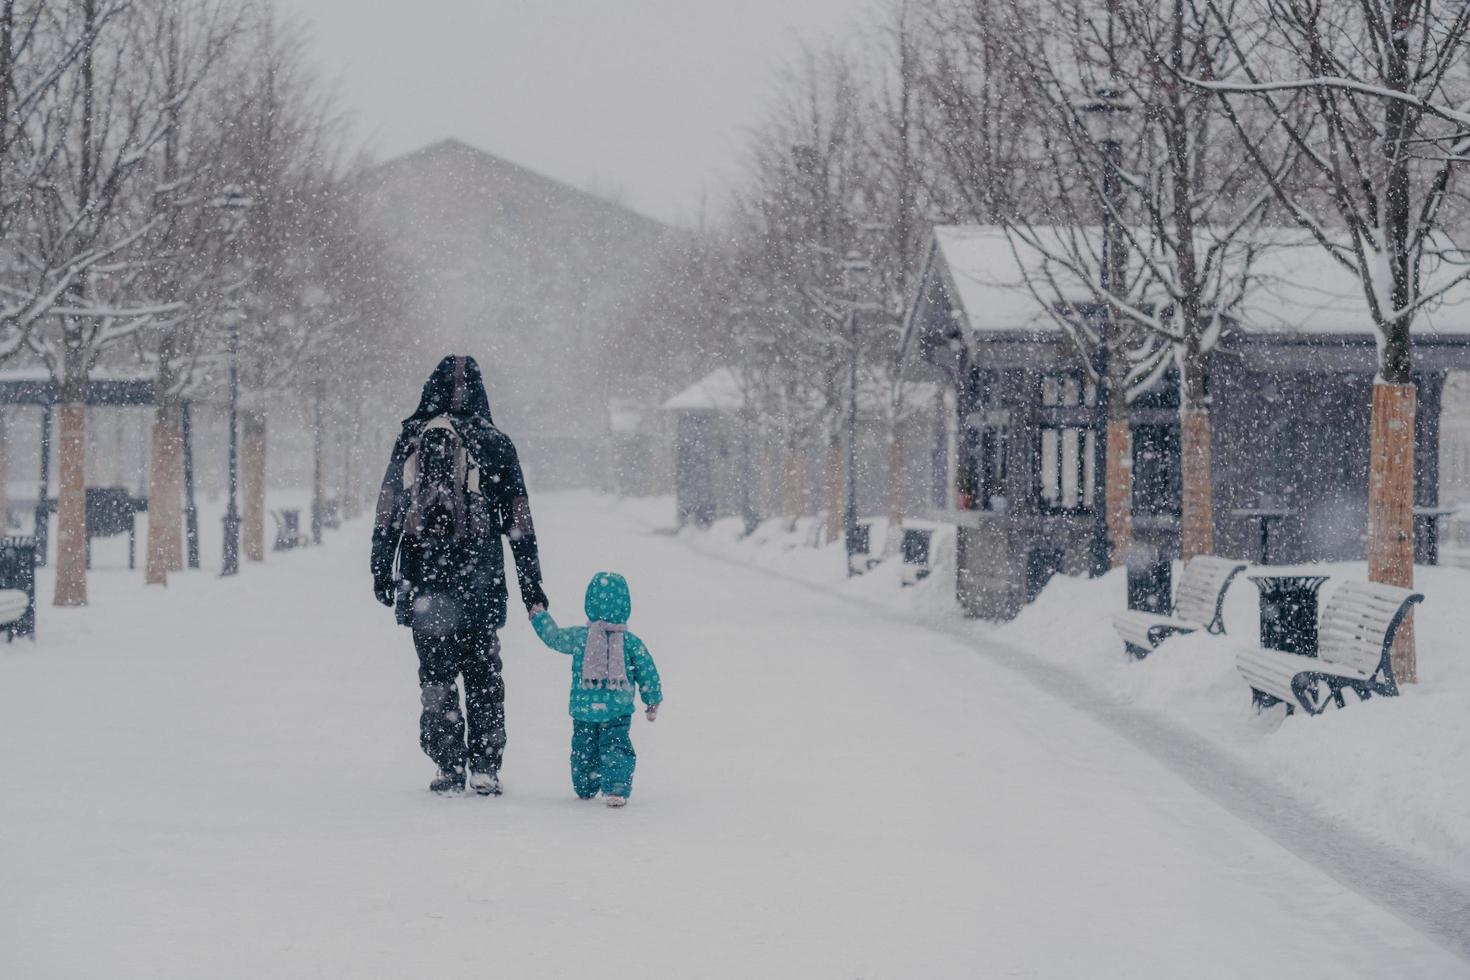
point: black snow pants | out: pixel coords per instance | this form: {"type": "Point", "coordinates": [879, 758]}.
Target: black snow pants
{"type": "Point", "coordinates": [442, 725]}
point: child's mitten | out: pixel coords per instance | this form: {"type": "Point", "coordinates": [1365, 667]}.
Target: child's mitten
{"type": "Point", "coordinates": [651, 713]}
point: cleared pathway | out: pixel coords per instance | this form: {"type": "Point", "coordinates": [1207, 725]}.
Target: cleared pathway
{"type": "Point", "coordinates": [222, 780]}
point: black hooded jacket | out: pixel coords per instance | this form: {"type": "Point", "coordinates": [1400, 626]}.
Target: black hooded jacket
{"type": "Point", "coordinates": [460, 582]}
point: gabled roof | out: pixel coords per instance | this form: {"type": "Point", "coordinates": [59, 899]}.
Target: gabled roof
{"type": "Point", "coordinates": [1295, 288]}
{"type": "Point", "coordinates": [719, 391]}
{"type": "Point", "coordinates": [473, 166]}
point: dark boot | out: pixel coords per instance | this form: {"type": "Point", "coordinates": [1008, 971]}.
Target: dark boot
{"type": "Point", "coordinates": [448, 781]}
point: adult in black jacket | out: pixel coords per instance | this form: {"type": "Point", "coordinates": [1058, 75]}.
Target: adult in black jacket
{"type": "Point", "coordinates": [452, 588]}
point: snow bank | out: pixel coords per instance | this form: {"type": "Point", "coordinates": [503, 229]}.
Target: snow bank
{"type": "Point", "coordinates": [1393, 769]}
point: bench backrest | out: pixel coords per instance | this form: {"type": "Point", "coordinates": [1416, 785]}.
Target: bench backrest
{"type": "Point", "coordinates": [1358, 623]}
{"type": "Point", "coordinates": [1202, 586]}
{"type": "Point", "coordinates": [110, 511]}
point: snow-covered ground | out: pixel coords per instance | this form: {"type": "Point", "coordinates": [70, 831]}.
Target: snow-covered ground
{"type": "Point", "coordinates": [1392, 770]}
{"type": "Point", "coordinates": [221, 779]}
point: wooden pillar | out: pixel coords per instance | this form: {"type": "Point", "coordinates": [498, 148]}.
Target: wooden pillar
{"type": "Point", "coordinates": [1391, 506]}
{"type": "Point", "coordinates": [165, 497]}
{"type": "Point", "coordinates": [835, 485]}
{"type": "Point", "coordinates": [252, 485]}
{"type": "Point", "coordinates": [71, 507]}
{"type": "Point", "coordinates": [1198, 515]}
{"type": "Point", "coordinates": [4, 471]}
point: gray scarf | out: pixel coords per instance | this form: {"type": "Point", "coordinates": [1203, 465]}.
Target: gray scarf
{"type": "Point", "coordinates": [602, 659]}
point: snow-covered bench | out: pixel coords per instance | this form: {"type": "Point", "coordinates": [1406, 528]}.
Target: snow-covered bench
{"type": "Point", "coordinates": [18, 586]}
{"type": "Point", "coordinates": [1355, 639]}
{"type": "Point", "coordinates": [1198, 605]}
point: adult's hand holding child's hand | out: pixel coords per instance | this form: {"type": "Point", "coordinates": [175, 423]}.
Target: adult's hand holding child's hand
{"type": "Point", "coordinates": [536, 610]}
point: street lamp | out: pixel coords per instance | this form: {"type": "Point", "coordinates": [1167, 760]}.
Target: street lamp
{"type": "Point", "coordinates": [1107, 106]}
{"type": "Point", "coordinates": [234, 204]}
{"type": "Point", "coordinates": [854, 267]}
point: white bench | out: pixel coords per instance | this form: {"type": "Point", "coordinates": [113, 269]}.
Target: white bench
{"type": "Point", "coordinates": [13, 605]}
{"type": "Point", "coordinates": [1198, 605]}
{"type": "Point", "coordinates": [1355, 639]}
{"type": "Point", "coordinates": [18, 587]}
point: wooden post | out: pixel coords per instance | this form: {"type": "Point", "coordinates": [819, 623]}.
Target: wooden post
{"type": "Point", "coordinates": [252, 485]}
{"type": "Point", "coordinates": [895, 487]}
{"type": "Point", "coordinates": [165, 547]}
{"type": "Point", "coordinates": [4, 471]}
{"type": "Point", "coordinates": [1198, 511]}
{"type": "Point", "coordinates": [835, 487]}
{"type": "Point", "coordinates": [71, 507]}
{"type": "Point", "coordinates": [1391, 507]}
{"type": "Point", "coordinates": [173, 528]}
{"type": "Point", "coordinates": [1118, 491]}
{"type": "Point", "coordinates": [793, 484]}
{"type": "Point", "coordinates": [155, 561]}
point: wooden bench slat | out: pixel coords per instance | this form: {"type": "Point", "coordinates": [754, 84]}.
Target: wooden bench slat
{"type": "Point", "coordinates": [1198, 598]}
{"type": "Point", "coordinates": [1358, 623]}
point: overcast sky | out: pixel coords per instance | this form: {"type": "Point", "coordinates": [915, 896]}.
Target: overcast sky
{"type": "Point", "coordinates": [648, 99]}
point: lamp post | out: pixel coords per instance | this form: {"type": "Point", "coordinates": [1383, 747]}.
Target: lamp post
{"type": "Point", "coordinates": [854, 266]}
{"type": "Point", "coordinates": [231, 564]}
{"type": "Point", "coordinates": [234, 203]}
{"type": "Point", "coordinates": [1113, 528]}
{"type": "Point", "coordinates": [317, 503]}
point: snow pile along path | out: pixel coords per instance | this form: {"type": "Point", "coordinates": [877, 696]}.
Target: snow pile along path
{"type": "Point", "coordinates": [222, 779]}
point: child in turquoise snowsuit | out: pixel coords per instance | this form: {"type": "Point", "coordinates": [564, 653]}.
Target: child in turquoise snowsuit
{"type": "Point", "coordinates": [607, 663]}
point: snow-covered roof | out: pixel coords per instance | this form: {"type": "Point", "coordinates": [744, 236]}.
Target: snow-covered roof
{"type": "Point", "coordinates": [722, 391]}
{"type": "Point", "coordinates": [41, 375]}
{"type": "Point", "coordinates": [1295, 286]}
{"type": "Point", "coordinates": [719, 391]}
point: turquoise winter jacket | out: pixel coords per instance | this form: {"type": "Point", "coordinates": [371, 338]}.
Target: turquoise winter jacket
{"type": "Point", "coordinates": [608, 601]}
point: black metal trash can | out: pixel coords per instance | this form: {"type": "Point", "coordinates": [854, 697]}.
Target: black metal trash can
{"type": "Point", "coordinates": [1289, 612]}
{"type": "Point", "coordinates": [1150, 579]}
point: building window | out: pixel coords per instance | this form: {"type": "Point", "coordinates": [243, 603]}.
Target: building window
{"type": "Point", "coordinates": [1157, 480]}
{"type": "Point", "coordinates": [991, 459]}
{"type": "Point", "coordinates": [1068, 469]}
{"type": "Point", "coordinates": [1067, 390]}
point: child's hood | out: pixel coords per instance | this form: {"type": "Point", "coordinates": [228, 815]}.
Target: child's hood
{"type": "Point", "coordinates": [608, 600]}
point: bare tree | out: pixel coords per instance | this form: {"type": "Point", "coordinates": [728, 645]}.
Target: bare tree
{"type": "Point", "coordinates": [1148, 219]}
{"type": "Point", "coordinates": [1388, 136]}
{"type": "Point", "coordinates": [80, 268]}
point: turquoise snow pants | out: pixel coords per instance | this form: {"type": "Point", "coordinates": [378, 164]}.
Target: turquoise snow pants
{"type": "Point", "coordinates": [602, 757]}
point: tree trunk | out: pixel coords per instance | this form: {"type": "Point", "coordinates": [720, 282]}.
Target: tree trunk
{"type": "Point", "coordinates": [836, 505]}
{"type": "Point", "coordinates": [1197, 518]}
{"type": "Point", "coordinates": [174, 529]}
{"type": "Point", "coordinates": [165, 503]}
{"type": "Point", "coordinates": [71, 507]}
{"type": "Point", "coordinates": [1118, 492]}
{"type": "Point", "coordinates": [4, 473]}
{"type": "Point", "coordinates": [1391, 507]}
{"type": "Point", "coordinates": [895, 488]}
{"type": "Point", "coordinates": [794, 483]}
{"type": "Point", "coordinates": [252, 485]}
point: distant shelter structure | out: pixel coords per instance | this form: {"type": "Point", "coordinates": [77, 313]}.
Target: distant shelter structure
{"type": "Point", "coordinates": [731, 459]}
{"type": "Point", "coordinates": [1289, 381]}
{"type": "Point", "coordinates": [35, 388]}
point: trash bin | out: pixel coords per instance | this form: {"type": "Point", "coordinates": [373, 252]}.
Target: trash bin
{"type": "Point", "coordinates": [1150, 579]}
{"type": "Point", "coordinates": [1289, 612]}
{"type": "Point", "coordinates": [860, 548]}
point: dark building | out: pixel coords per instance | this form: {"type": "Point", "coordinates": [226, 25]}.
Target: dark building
{"type": "Point", "coordinates": [1289, 381]}
{"type": "Point", "coordinates": [530, 275]}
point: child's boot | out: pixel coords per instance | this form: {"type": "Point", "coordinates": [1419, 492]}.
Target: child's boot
{"type": "Point", "coordinates": [617, 801]}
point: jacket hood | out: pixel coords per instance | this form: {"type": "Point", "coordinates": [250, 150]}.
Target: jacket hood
{"type": "Point", "coordinates": [455, 388]}
{"type": "Point", "coordinates": [608, 600]}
